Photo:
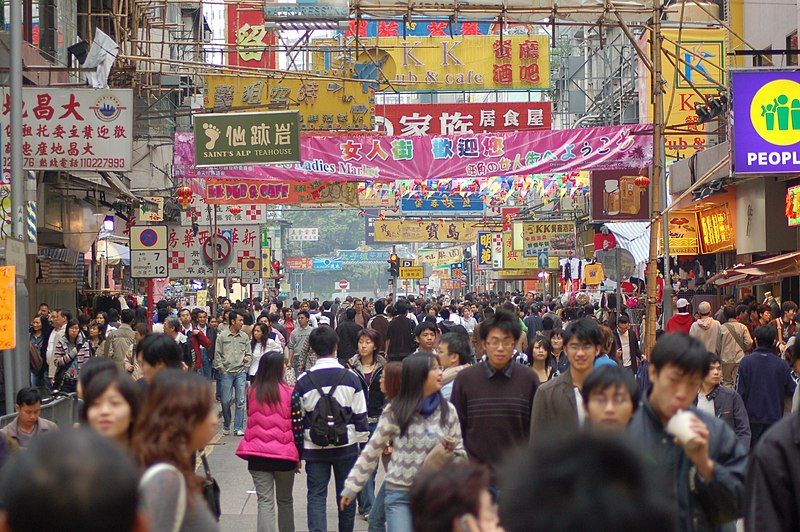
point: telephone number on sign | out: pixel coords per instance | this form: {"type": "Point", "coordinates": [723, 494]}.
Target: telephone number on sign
{"type": "Point", "coordinates": [79, 163]}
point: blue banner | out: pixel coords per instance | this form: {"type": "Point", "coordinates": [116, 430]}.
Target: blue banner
{"type": "Point", "coordinates": [442, 204]}
{"type": "Point", "coordinates": [355, 256]}
{"type": "Point", "coordinates": [325, 264]}
{"type": "Point", "coordinates": [484, 250]}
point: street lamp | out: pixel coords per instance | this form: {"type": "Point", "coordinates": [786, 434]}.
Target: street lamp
{"type": "Point", "coordinates": [108, 223]}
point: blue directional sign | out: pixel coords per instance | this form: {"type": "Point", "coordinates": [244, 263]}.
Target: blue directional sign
{"type": "Point", "coordinates": [323, 264]}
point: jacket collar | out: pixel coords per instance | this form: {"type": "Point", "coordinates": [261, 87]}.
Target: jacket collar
{"type": "Point", "coordinates": [491, 371]}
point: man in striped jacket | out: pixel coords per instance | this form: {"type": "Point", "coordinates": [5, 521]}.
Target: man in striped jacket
{"type": "Point", "coordinates": [325, 374]}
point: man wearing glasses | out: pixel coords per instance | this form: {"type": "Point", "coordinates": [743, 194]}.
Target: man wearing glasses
{"type": "Point", "coordinates": [559, 405]}
{"type": "Point", "coordinates": [494, 398]}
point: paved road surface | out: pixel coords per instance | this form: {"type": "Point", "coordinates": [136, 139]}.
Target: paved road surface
{"type": "Point", "coordinates": [239, 504]}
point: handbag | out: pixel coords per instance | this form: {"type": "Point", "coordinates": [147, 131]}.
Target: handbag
{"type": "Point", "coordinates": [211, 491]}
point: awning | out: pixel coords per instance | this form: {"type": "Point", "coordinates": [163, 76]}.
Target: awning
{"type": "Point", "coordinates": [633, 236]}
{"type": "Point", "coordinates": [113, 252]}
{"type": "Point", "coordinates": [761, 271]}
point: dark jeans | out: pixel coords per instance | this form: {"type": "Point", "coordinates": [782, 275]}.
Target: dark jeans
{"type": "Point", "coordinates": [756, 431]}
{"type": "Point", "coordinates": [318, 475]}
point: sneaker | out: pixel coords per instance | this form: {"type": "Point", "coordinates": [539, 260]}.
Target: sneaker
{"type": "Point", "coordinates": [226, 432]}
{"type": "Point", "coordinates": [240, 433]}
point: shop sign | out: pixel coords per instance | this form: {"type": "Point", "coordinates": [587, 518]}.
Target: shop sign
{"type": "Point", "coordinates": [435, 27]}
{"type": "Point", "coordinates": [189, 252]}
{"type": "Point", "coordinates": [793, 205]}
{"type": "Point", "coordinates": [151, 209]}
{"type": "Point", "coordinates": [303, 234]}
{"type": "Point", "coordinates": [323, 104]}
{"type": "Point", "coordinates": [202, 213]}
{"type": "Point", "coordinates": [72, 129]}
{"type": "Point", "coordinates": [702, 54]}
{"type": "Point", "coordinates": [766, 124]}
{"type": "Point", "coordinates": [297, 263]}
{"type": "Point", "coordinates": [516, 274]}
{"type": "Point", "coordinates": [377, 195]}
{"type": "Point", "coordinates": [237, 191]}
{"type": "Point", "coordinates": [250, 43]}
{"type": "Point", "coordinates": [225, 139]}
{"type": "Point", "coordinates": [452, 284]}
{"type": "Point", "coordinates": [325, 264]}
{"type": "Point", "coordinates": [463, 118]}
{"type": "Point", "coordinates": [716, 229]}
{"type": "Point", "coordinates": [8, 312]}
{"type": "Point", "coordinates": [684, 236]}
{"type": "Point", "coordinates": [424, 231]}
{"type": "Point", "coordinates": [508, 214]}
{"type": "Point", "coordinates": [251, 271]}
{"type": "Point", "coordinates": [357, 256]}
{"type": "Point", "coordinates": [513, 259]}
{"type": "Point", "coordinates": [307, 10]}
{"type": "Point", "coordinates": [484, 248]}
{"type": "Point", "coordinates": [442, 256]}
{"type": "Point", "coordinates": [443, 204]}
{"type": "Point", "coordinates": [616, 197]}
{"type": "Point", "coordinates": [497, 250]}
{"type": "Point", "coordinates": [557, 238]}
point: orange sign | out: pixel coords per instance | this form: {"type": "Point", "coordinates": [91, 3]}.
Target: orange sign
{"type": "Point", "coordinates": [8, 313]}
{"type": "Point", "coordinates": [253, 191]}
{"type": "Point", "coordinates": [716, 229]}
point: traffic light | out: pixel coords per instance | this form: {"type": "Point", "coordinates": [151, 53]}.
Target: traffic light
{"type": "Point", "coordinates": [276, 270]}
{"type": "Point", "coordinates": [394, 265]}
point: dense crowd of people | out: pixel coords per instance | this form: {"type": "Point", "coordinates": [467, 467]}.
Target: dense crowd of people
{"type": "Point", "coordinates": [465, 404]}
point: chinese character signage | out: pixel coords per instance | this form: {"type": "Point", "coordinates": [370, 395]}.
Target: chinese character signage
{"type": "Point", "coordinates": [716, 229]}
{"type": "Point", "coordinates": [766, 122]}
{"type": "Point", "coordinates": [323, 104]}
{"type": "Point", "coordinates": [684, 236]}
{"type": "Point", "coordinates": [463, 118]}
{"type": "Point", "coordinates": [225, 139]}
{"type": "Point", "coordinates": [443, 204]}
{"type": "Point", "coordinates": [424, 231]}
{"type": "Point", "coordinates": [236, 191]}
{"type": "Point", "coordinates": [484, 250]}
{"type": "Point", "coordinates": [508, 214]}
{"type": "Point", "coordinates": [513, 259]}
{"type": "Point", "coordinates": [616, 196]}
{"type": "Point", "coordinates": [435, 27]}
{"type": "Point", "coordinates": [190, 254]}
{"type": "Point", "coordinates": [203, 213]}
{"type": "Point", "coordinates": [498, 242]}
{"type": "Point", "coordinates": [557, 238]}
{"type": "Point", "coordinates": [297, 263]}
{"type": "Point", "coordinates": [151, 209]}
{"type": "Point", "coordinates": [8, 312]}
{"type": "Point", "coordinates": [793, 206]}
{"type": "Point", "coordinates": [303, 234]}
{"type": "Point", "coordinates": [324, 264]}
{"type": "Point", "coordinates": [250, 43]}
{"type": "Point", "coordinates": [442, 256]}
{"type": "Point", "coordinates": [357, 256]}
{"type": "Point", "coordinates": [72, 129]}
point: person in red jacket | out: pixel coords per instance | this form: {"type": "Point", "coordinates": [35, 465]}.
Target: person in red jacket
{"type": "Point", "coordinates": [682, 321]}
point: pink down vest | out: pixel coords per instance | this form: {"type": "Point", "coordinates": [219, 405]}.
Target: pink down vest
{"type": "Point", "coordinates": [269, 429]}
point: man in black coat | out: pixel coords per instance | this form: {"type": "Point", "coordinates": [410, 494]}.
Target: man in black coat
{"type": "Point", "coordinates": [628, 351]}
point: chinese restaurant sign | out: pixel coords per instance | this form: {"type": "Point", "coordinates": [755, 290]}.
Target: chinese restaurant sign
{"type": "Point", "coordinates": [360, 158]}
{"type": "Point", "coordinates": [793, 206]}
{"type": "Point", "coordinates": [766, 123]}
{"type": "Point", "coordinates": [443, 204]}
{"type": "Point", "coordinates": [684, 236]}
{"type": "Point", "coordinates": [250, 43]}
{"type": "Point", "coordinates": [224, 139]}
{"type": "Point", "coordinates": [236, 191]}
{"type": "Point", "coordinates": [324, 104]}
{"type": "Point", "coordinates": [716, 229]}
{"type": "Point", "coordinates": [441, 256]}
{"type": "Point", "coordinates": [463, 118]}
{"type": "Point", "coordinates": [484, 250]}
{"type": "Point", "coordinates": [72, 129]}
{"type": "Point", "coordinates": [557, 238]}
{"type": "Point", "coordinates": [424, 231]}
{"type": "Point", "coordinates": [188, 256]}
{"type": "Point", "coordinates": [616, 196]}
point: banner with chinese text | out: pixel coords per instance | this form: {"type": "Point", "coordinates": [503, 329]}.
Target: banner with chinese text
{"type": "Point", "coordinates": [443, 204]}
{"type": "Point", "coordinates": [484, 259]}
{"type": "Point", "coordinates": [187, 257]}
{"type": "Point", "coordinates": [442, 256]}
{"type": "Point", "coordinates": [557, 238]}
{"type": "Point", "coordinates": [717, 229]}
{"type": "Point", "coordinates": [202, 213]}
{"type": "Point", "coordinates": [297, 263]}
{"type": "Point", "coordinates": [516, 260]}
{"type": "Point", "coordinates": [429, 231]}
{"type": "Point", "coordinates": [236, 191]}
{"type": "Point", "coordinates": [250, 43]}
{"type": "Point", "coordinates": [684, 235]}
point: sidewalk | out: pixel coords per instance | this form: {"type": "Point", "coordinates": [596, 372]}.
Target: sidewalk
{"type": "Point", "coordinates": [239, 504]}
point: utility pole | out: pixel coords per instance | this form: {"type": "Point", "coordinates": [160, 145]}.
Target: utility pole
{"type": "Point", "coordinates": [657, 94]}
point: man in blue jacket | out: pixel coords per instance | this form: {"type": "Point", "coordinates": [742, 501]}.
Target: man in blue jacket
{"type": "Point", "coordinates": [764, 381]}
{"type": "Point", "coordinates": [723, 402]}
{"type": "Point", "coordinates": [708, 470]}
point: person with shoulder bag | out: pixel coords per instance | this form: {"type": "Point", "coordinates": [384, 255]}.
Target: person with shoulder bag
{"type": "Point", "coordinates": [65, 358]}
{"type": "Point", "coordinates": [734, 343]}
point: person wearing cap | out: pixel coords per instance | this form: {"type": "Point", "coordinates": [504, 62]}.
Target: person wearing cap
{"type": "Point", "coordinates": [682, 320]}
{"type": "Point", "coordinates": [706, 329]}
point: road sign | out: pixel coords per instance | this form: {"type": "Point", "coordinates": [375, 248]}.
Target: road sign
{"type": "Point", "coordinates": [148, 264]}
{"type": "Point", "coordinates": [412, 272]}
{"type": "Point", "coordinates": [217, 249]}
{"type": "Point", "coordinates": [343, 285]}
{"type": "Point", "coordinates": [406, 263]}
{"type": "Point", "coordinates": [251, 271]}
{"type": "Point", "coordinates": [149, 237]}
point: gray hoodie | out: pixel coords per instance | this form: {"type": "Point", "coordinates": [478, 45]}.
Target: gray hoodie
{"type": "Point", "coordinates": [707, 330]}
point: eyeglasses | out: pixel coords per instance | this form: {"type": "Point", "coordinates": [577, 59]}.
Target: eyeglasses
{"type": "Point", "coordinates": [498, 343]}
{"type": "Point", "coordinates": [580, 347]}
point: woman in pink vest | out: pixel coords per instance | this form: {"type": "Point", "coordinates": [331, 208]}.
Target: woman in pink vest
{"type": "Point", "coordinates": [272, 443]}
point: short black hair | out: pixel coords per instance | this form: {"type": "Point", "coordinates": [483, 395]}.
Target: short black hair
{"type": "Point", "coordinates": [159, 347]}
{"type": "Point", "coordinates": [623, 318]}
{"type": "Point", "coordinates": [607, 376]}
{"type": "Point", "coordinates": [730, 312]}
{"type": "Point", "coordinates": [503, 320]}
{"type": "Point", "coordinates": [113, 314]}
{"type": "Point", "coordinates": [93, 367]}
{"type": "Point", "coordinates": [547, 323]}
{"type": "Point", "coordinates": [128, 316]}
{"type": "Point", "coordinates": [438, 498]}
{"type": "Point", "coordinates": [681, 350]}
{"type": "Point", "coordinates": [350, 314]}
{"type": "Point", "coordinates": [713, 358]}
{"type": "Point", "coordinates": [458, 343]}
{"type": "Point", "coordinates": [380, 306]}
{"type": "Point", "coordinates": [765, 336]}
{"type": "Point", "coordinates": [401, 307]}
{"type": "Point", "coordinates": [741, 309]}
{"type": "Point", "coordinates": [444, 313]}
{"type": "Point", "coordinates": [92, 488]}
{"type": "Point", "coordinates": [304, 313]}
{"type": "Point", "coordinates": [585, 330]}
{"type": "Point", "coordinates": [323, 341]}
{"type": "Point", "coordinates": [232, 315]}
{"type": "Point", "coordinates": [29, 396]}
{"type": "Point", "coordinates": [67, 315]}
{"type": "Point", "coordinates": [425, 326]}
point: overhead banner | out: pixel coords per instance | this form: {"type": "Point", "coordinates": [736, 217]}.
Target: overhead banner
{"type": "Point", "coordinates": [225, 139]}
{"type": "Point", "coordinates": [484, 259]}
{"type": "Point", "coordinates": [463, 118]}
{"type": "Point", "coordinates": [766, 129]}
{"type": "Point", "coordinates": [297, 263]}
{"type": "Point", "coordinates": [418, 158]}
{"type": "Point", "coordinates": [429, 231]}
{"type": "Point", "coordinates": [307, 10]}
{"type": "Point", "coordinates": [190, 254]}
{"type": "Point", "coordinates": [250, 44]}
{"type": "Point", "coordinates": [443, 204]}
{"type": "Point", "coordinates": [440, 28]}
{"type": "Point", "coordinates": [616, 196]}
{"type": "Point", "coordinates": [238, 191]}
{"type": "Point", "coordinates": [72, 128]}
{"type": "Point", "coordinates": [325, 264]}
{"type": "Point", "coordinates": [442, 256]}
{"type": "Point", "coordinates": [558, 239]}
{"type": "Point", "coordinates": [357, 256]}
{"type": "Point", "coordinates": [323, 104]}
{"type": "Point", "coordinates": [201, 213]}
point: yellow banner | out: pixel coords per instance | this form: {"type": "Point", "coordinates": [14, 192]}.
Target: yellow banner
{"type": "Point", "coordinates": [514, 260]}
{"type": "Point", "coordinates": [702, 61]}
{"type": "Point", "coordinates": [324, 104]}
{"type": "Point", "coordinates": [428, 231]}
{"type": "Point", "coordinates": [8, 312]}
{"type": "Point", "coordinates": [441, 257]}
{"type": "Point", "coordinates": [475, 62]}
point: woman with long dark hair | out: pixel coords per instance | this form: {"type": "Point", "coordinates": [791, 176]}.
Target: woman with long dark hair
{"type": "Point", "coordinates": [542, 360]}
{"type": "Point", "coordinates": [110, 405]}
{"type": "Point", "coordinates": [178, 419]}
{"type": "Point", "coordinates": [65, 357]}
{"type": "Point", "coordinates": [272, 442]}
{"type": "Point", "coordinates": [258, 346]}
{"type": "Point", "coordinates": [417, 421]}
{"type": "Point", "coordinates": [287, 320]}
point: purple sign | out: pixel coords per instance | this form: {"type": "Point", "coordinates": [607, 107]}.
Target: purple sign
{"type": "Point", "coordinates": [766, 122]}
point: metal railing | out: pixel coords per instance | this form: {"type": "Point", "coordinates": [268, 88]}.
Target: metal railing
{"type": "Point", "coordinates": [61, 410]}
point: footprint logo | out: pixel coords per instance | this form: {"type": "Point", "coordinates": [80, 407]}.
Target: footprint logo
{"type": "Point", "coordinates": [212, 132]}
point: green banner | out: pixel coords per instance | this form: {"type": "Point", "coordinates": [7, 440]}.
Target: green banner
{"type": "Point", "coordinates": [227, 139]}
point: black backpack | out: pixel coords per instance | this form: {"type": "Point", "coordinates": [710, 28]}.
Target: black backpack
{"type": "Point", "coordinates": [328, 420]}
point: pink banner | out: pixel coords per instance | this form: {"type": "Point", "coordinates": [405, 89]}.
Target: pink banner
{"type": "Point", "coordinates": [374, 158]}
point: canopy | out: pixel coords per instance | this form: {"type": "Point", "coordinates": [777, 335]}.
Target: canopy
{"type": "Point", "coordinates": [761, 271]}
{"type": "Point", "coordinates": [634, 237]}
{"type": "Point", "coordinates": [113, 252]}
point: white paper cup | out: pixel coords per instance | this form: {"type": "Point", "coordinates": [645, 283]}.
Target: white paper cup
{"type": "Point", "coordinates": [680, 426]}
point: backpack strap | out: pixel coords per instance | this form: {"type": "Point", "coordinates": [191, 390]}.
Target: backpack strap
{"type": "Point", "coordinates": [333, 388]}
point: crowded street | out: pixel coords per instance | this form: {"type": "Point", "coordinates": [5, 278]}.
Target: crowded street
{"type": "Point", "coordinates": [383, 265]}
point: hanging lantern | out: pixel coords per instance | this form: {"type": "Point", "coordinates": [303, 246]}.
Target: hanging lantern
{"type": "Point", "coordinates": [235, 210]}
{"type": "Point", "coordinates": [642, 181]}
{"type": "Point", "coordinates": [184, 196]}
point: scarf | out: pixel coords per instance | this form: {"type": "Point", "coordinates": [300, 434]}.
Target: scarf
{"type": "Point", "coordinates": [430, 404]}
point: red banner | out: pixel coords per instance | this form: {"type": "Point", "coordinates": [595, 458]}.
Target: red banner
{"type": "Point", "coordinates": [250, 191]}
{"type": "Point", "coordinates": [463, 118]}
{"type": "Point", "coordinates": [250, 44]}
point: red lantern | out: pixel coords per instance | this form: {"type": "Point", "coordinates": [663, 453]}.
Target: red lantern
{"type": "Point", "coordinates": [184, 191]}
{"type": "Point", "coordinates": [235, 210]}
{"type": "Point", "coordinates": [642, 181]}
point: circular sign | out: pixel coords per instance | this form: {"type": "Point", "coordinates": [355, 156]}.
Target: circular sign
{"type": "Point", "coordinates": [775, 112]}
{"type": "Point", "coordinates": [344, 285]}
{"type": "Point", "coordinates": [217, 249]}
{"type": "Point", "coordinates": [148, 238]}
{"type": "Point", "coordinates": [249, 264]}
